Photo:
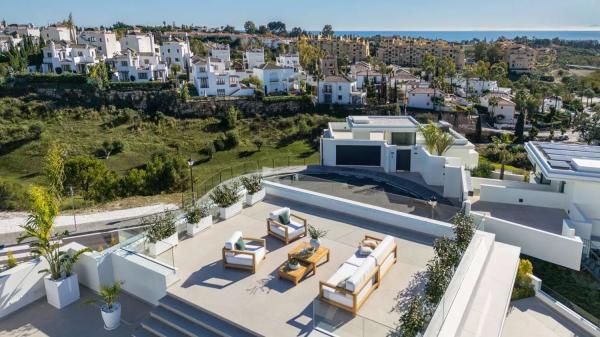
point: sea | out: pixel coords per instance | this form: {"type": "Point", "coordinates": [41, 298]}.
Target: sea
{"type": "Point", "coordinates": [459, 36]}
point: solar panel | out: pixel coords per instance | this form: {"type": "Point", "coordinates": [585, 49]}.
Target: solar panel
{"type": "Point", "coordinates": [561, 165]}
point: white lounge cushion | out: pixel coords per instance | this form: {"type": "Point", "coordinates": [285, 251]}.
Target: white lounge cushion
{"type": "Point", "coordinates": [383, 249]}
{"type": "Point", "coordinates": [246, 259]}
{"type": "Point", "coordinates": [294, 229]}
{"type": "Point", "coordinates": [275, 214]}
{"type": "Point", "coordinates": [343, 273]}
{"type": "Point", "coordinates": [230, 244]}
{"type": "Point", "coordinates": [361, 274]}
{"type": "Point", "coordinates": [356, 259]}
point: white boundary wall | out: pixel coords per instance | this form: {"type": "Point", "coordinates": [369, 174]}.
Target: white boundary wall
{"type": "Point", "coordinates": [518, 196]}
{"type": "Point", "coordinates": [543, 245]}
{"type": "Point", "coordinates": [394, 218]}
{"type": "Point", "coordinates": [21, 285]}
{"type": "Point", "coordinates": [478, 181]}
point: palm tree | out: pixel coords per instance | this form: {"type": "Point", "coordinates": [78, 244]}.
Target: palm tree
{"type": "Point", "coordinates": [589, 94]}
{"type": "Point", "coordinates": [505, 156]}
{"type": "Point", "coordinates": [443, 142]}
{"type": "Point", "coordinates": [493, 103]}
{"type": "Point", "coordinates": [430, 134]}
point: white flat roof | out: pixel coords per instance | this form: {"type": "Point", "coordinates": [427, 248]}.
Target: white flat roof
{"type": "Point", "coordinates": [587, 165]}
{"type": "Point", "coordinates": [563, 161]}
{"type": "Point", "coordinates": [382, 122]}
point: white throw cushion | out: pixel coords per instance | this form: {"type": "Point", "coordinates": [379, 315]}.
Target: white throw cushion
{"type": "Point", "coordinates": [383, 249]}
{"type": "Point", "coordinates": [365, 251]}
{"type": "Point", "coordinates": [363, 272]}
{"type": "Point", "coordinates": [275, 214]}
{"type": "Point", "coordinates": [230, 244]}
{"type": "Point", "coordinates": [294, 229]}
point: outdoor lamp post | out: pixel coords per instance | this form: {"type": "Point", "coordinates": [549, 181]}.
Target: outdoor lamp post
{"type": "Point", "coordinates": [190, 164]}
{"type": "Point", "coordinates": [433, 203]}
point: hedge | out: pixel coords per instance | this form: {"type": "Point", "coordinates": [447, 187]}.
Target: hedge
{"type": "Point", "coordinates": [141, 85]}
{"type": "Point", "coordinates": [271, 99]}
{"type": "Point", "coordinates": [36, 78]}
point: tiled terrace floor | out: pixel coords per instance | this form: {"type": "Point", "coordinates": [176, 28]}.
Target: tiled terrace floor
{"type": "Point", "coordinates": [274, 307]}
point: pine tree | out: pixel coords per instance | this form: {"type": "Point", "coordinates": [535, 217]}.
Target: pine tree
{"type": "Point", "coordinates": [478, 130]}
{"type": "Point", "coordinates": [520, 128]}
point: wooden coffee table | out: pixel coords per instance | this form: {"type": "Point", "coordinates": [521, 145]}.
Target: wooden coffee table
{"type": "Point", "coordinates": [313, 259]}
{"type": "Point", "coordinates": [293, 275]}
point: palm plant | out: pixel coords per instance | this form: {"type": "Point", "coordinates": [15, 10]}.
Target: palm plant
{"type": "Point", "coordinates": [493, 104]}
{"type": "Point", "coordinates": [430, 134]}
{"type": "Point", "coordinates": [443, 142]}
{"type": "Point", "coordinates": [110, 294]}
{"type": "Point", "coordinates": [505, 156]}
{"type": "Point", "coordinates": [316, 233]}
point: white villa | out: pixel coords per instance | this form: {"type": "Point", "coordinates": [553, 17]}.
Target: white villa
{"type": "Point", "coordinates": [140, 67]}
{"type": "Point", "coordinates": [222, 52]}
{"type": "Point", "coordinates": [139, 42]}
{"type": "Point", "coordinates": [504, 112]}
{"type": "Point", "coordinates": [277, 79]}
{"type": "Point", "coordinates": [57, 33]}
{"type": "Point", "coordinates": [423, 98]}
{"type": "Point", "coordinates": [340, 90]}
{"type": "Point", "coordinates": [63, 57]}
{"type": "Point", "coordinates": [176, 51]}
{"type": "Point", "coordinates": [254, 58]}
{"type": "Point", "coordinates": [106, 42]}
{"type": "Point", "coordinates": [289, 60]}
{"type": "Point", "coordinates": [212, 77]}
{"type": "Point", "coordinates": [23, 30]}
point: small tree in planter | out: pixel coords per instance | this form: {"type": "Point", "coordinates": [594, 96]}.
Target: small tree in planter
{"type": "Point", "coordinates": [228, 198]}
{"type": "Point", "coordinates": [316, 235]}
{"type": "Point", "coordinates": [111, 308]}
{"type": "Point", "coordinates": [254, 187]}
{"type": "Point", "coordinates": [161, 232]}
{"type": "Point", "coordinates": [198, 218]}
{"type": "Point", "coordinates": [62, 286]}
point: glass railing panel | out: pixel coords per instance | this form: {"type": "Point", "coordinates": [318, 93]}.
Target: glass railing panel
{"type": "Point", "coordinates": [334, 321]}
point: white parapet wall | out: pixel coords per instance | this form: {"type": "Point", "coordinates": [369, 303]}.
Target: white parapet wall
{"type": "Point", "coordinates": [478, 181]}
{"type": "Point", "coordinates": [21, 285]}
{"type": "Point", "coordinates": [555, 248]}
{"type": "Point", "coordinates": [430, 167]}
{"type": "Point", "coordinates": [383, 215]}
{"type": "Point", "coordinates": [520, 196]}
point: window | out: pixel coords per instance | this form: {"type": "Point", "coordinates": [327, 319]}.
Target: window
{"type": "Point", "coordinates": [340, 88]}
{"type": "Point", "coordinates": [220, 92]}
{"type": "Point", "coordinates": [124, 63]}
{"type": "Point", "coordinates": [100, 39]}
{"type": "Point", "coordinates": [169, 50]}
{"type": "Point", "coordinates": [99, 48]}
{"type": "Point", "coordinates": [49, 54]}
{"type": "Point", "coordinates": [176, 59]}
{"type": "Point", "coordinates": [220, 80]}
{"type": "Point", "coordinates": [143, 76]}
{"type": "Point", "coordinates": [340, 98]}
{"type": "Point", "coordinates": [146, 61]}
{"type": "Point", "coordinates": [79, 53]}
{"type": "Point", "coordinates": [403, 138]}
{"type": "Point", "coordinates": [203, 82]}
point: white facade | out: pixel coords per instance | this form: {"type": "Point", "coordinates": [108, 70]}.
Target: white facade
{"type": "Point", "coordinates": [23, 30]}
{"type": "Point", "coordinates": [139, 42]}
{"type": "Point", "coordinates": [340, 90]}
{"type": "Point", "coordinates": [140, 67]}
{"type": "Point", "coordinates": [68, 58]}
{"type": "Point", "coordinates": [505, 112]}
{"type": "Point", "coordinates": [289, 60]}
{"type": "Point", "coordinates": [57, 33]}
{"type": "Point", "coordinates": [176, 52]}
{"type": "Point", "coordinates": [222, 52]}
{"type": "Point", "coordinates": [423, 98]}
{"type": "Point", "coordinates": [212, 78]}
{"type": "Point", "coordinates": [105, 42]}
{"type": "Point", "coordinates": [277, 79]}
{"type": "Point", "coordinates": [254, 58]}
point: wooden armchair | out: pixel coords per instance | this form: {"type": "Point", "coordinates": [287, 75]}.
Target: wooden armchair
{"type": "Point", "coordinates": [247, 259]}
{"type": "Point", "coordinates": [290, 232]}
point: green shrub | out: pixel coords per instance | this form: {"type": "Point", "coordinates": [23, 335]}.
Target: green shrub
{"type": "Point", "coordinates": [160, 226]}
{"type": "Point", "coordinates": [195, 213]}
{"type": "Point", "coordinates": [232, 139]}
{"type": "Point", "coordinates": [11, 261]}
{"type": "Point", "coordinates": [252, 183]}
{"type": "Point", "coordinates": [12, 197]}
{"type": "Point", "coordinates": [231, 117]}
{"type": "Point", "coordinates": [483, 170]}
{"type": "Point", "coordinates": [226, 195]}
{"type": "Point", "coordinates": [523, 287]}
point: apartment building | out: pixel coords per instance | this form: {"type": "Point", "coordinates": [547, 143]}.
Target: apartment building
{"type": "Point", "coordinates": [254, 58]}
{"type": "Point", "coordinates": [23, 30]}
{"type": "Point", "coordinates": [176, 51]}
{"type": "Point", "coordinates": [277, 79]}
{"type": "Point", "coordinates": [291, 60]}
{"type": "Point", "coordinates": [64, 57]}
{"type": "Point", "coordinates": [212, 77]}
{"type": "Point", "coordinates": [57, 33]}
{"type": "Point", "coordinates": [352, 49]}
{"type": "Point", "coordinates": [520, 58]}
{"type": "Point", "coordinates": [140, 67]}
{"type": "Point", "coordinates": [222, 52]}
{"type": "Point", "coordinates": [328, 65]}
{"type": "Point", "coordinates": [139, 42]}
{"type": "Point", "coordinates": [104, 41]}
{"type": "Point", "coordinates": [411, 52]}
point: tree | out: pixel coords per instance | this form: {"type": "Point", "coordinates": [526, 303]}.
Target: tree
{"type": "Point", "coordinates": [107, 148]}
{"type": "Point", "coordinates": [478, 130]}
{"type": "Point", "coordinates": [277, 27]}
{"type": "Point", "coordinates": [443, 142]}
{"type": "Point", "coordinates": [492, 105]}
{"type": "Point", "coordinates": [296, 32]}
{"type": "Point", "coordinates": [197, 47]}
{"type": "Point", "coordinates": [520, 128]}
{"type": "Point", "coordinates": [231, 117]}
{"type": "Point", "coordinates": [480, 51]}
{"type": "Point", "coordinates": [252, 81]}
{"type": "Point", "coordinates": [258, 143]}
{"type": "Point", "coordinates": [53, 168]}
{"type": "Point", "coordinates": [327, 31]}
{"type": "Point", "coordinates": [175, 68]}
{"type": "Point", "coordinates": [166, 172]}
{"type": "Point", "coordinates": [263, 30]}
{"type": "Point", "coordinates": [589, 94]}
{"type": "Point", "coordinates": [494, 54]}
{"type": "Point", "coordinates": [185, 92]}
{"type": "Point", "coordinates": [84, 173]}
{"type": "Point", "coordinates": [429, 65]}
{"type": "Point", "coordinates": [588, 127]}
{"type": "Point", "coordinates": [505, 156]}
{"type": "Point", "coordinates": [250, 27]}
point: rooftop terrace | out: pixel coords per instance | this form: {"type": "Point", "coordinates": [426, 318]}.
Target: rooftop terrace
{"type": "Point", "coordinates": [271, 306]}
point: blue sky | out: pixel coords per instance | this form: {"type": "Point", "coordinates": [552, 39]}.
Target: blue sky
{"type": "Point", "coordinates": [313, 14]}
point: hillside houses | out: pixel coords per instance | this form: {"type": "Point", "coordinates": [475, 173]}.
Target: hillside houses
{"type": "Point", "coordinates": [63, 57]}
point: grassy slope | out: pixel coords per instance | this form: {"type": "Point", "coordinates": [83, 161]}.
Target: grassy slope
{"type": "Point", "coordinates": [188, 137]}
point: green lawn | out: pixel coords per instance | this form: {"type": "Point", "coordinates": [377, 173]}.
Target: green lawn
{"type": "Point", "coordinates": [83, 134]}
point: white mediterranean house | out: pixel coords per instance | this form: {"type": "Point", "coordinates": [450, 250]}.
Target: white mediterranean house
{"type": "Point", "coordinates": [176, 51]}
{"type": "Point", "coordinates": [424, 98]}
{"type": "Point", "coordinates": [139, 67]}
{"type": "Point", "coordinates": [62, 57]}
{"type": "Point", "coordinates": [254, 58]}
{"type": "Point", "coordinates": [340, 90]}
{"type": "Point", "coordinates": [504, 112]}
{"type": "Point", "coordinates": [57, 33]}
{"type": "Point", "coordinates": [290, 60]}
{"type": "Point", "coordinates": [222, 52]}
{"type": "Point", "coordinates": [212, 78]}
{"type": "Point", "coordinates": [106, 42]}
{"type": "Point", "coordinates": [139, 42]}
{"type": "Point", "coordinates": [394, 143]}
{"type": "Point", "coordinates": [277, 79]}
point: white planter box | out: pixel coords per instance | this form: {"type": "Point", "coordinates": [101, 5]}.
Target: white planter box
{"type": "Point", "coordinates": [112, 319]}
{"type": "Point", "coordinates": [228, 212]}
{"type": "Point", "coordinates": [162, 246]}
{"type": "Point", "coordinates": [62, 292]}
{"type": "Point", "coordinates": [252, 199]}
{"type": "Point", "coordinates": [193, 229]}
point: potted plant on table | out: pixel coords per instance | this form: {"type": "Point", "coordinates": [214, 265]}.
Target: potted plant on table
{"type": "Point", "coordinates": [61, 284]}
{"type": "Point", "coordinates": [293, 263]}
{"type": "Point", "coordinates": [254, 187]}
{"type": "Point", "coordinates": [316, 235]}
{"type": "Point", "coordinates": [198, 218]}
{"type": "Point", "coordinates": [161, 233]}
{"type": "Point", "coordinates": [111, 308]}
{"type": "Point", "coordinates": [228, 198]}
